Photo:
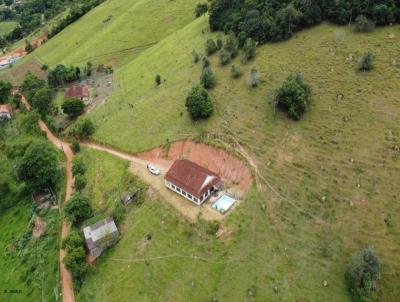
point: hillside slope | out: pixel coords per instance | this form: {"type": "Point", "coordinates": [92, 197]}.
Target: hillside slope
{"type": "Point", "coordinates": [116, 30]}
{"type": "Point", "coordinates": [339, 165]}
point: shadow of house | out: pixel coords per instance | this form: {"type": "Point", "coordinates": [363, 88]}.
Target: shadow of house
{"type": "Point", "coordinates": [100, 235]}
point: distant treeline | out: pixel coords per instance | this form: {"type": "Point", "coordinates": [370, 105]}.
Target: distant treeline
{"type": "Point", "coordinates": [277, 20]}
{"type": "Point", "coordinates": [76, 12]}
{"type": "Point", "coordinates": [31, 14]}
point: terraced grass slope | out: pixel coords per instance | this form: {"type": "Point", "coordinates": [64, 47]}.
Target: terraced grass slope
{"type": "Point", "coordinates": [330, 179]}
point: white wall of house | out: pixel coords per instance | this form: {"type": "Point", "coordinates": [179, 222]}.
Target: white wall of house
{"type": "Point", "coordinates": [187, 195]}
{"type": "Point", "coordinates": [4, 115]}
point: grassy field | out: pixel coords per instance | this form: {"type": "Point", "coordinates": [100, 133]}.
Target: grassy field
{"type": "Point", "coordinates": [6, 27]}
{"type": "Point", "coordinates": [106, 177]}
{"type": "Point", "coordinates": [33, 269]}
{"type": "Point", "coordinates": [123, 29]}
{"type": "Point", "coordinates": [330, 180]}
{"type": "Point", "coordinates": [334, 173]}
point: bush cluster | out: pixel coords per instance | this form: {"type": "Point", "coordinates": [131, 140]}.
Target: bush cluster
{"type": "Point", "coordinates": [293, 96]}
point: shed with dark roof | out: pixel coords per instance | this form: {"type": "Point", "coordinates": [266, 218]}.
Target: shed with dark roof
{"type": "Point", "coordinates": [192, 181]}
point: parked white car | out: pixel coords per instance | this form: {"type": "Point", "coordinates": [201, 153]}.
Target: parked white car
{"type": "Point", "coordinates": [153, 170]}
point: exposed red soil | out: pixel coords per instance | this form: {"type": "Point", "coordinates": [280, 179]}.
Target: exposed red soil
{"type": "Point", "coordinates": [20, 51]}
{"type": "Point", "coordinates": [226, 165]}
{"type": "Point", "coordinates": [39, 228]}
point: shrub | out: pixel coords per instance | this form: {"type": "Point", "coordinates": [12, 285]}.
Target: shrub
{"type": "Point", "coordinates": [254, 77]}
{"type": "Point", "coordinates": [72, 241]}
{"type": "Point", "coordinates": [78, 166]}
{"type": "Point", "coordinates": [75, 262]}
{"type": "Point", "coordinates": [75, 146]}
{"type": "Point", "coordinates": [118, 213]}
{"type": "Point", "coordinates": [211, 47]}
{"type": "Point", "coordinates": [158, 79]}
{"type": "Point", "coordinates": [224, 57]}
{"type": "Point", "coordinates": [363, 24]}
{"type": "Point", "coordinates": [83, 128]}
{"type": "Point", "coordinates": [236, 71]}
{"type": "Point", "coordinates": [80, 182]}
{"type": "Point", "coordinates": [207, 78]}
{"type": "Point", "coordinates": [206, 62]}
{"type": "Point", "coordinates": [199, 103]}
{"type": "Point", "coordinates": [201, 9]}
{"type": "Point", "coordinates": [196, 56]}
{"type": "Point", "coordinates": [232, 45]}
{"type": "Point", "coordinates": [249, 50]}
{"type": "Point", "coordinates": [293, 96]}
{"type": "Point", "coordinates": [5, 91]}
{"type": "Point", "coordinates": [78, 209]}
{"type": "Point", "coordinates": [366, 63]}
{"type": "Point", "coordinates": [362, 274]}
{"type": "Point", "coordinates": [220, 43]}
{"type": "Point", "coordinates": [73, 107]}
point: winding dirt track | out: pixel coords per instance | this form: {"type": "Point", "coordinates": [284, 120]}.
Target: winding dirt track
{"type": "Point", "coordinates": [65, 275]}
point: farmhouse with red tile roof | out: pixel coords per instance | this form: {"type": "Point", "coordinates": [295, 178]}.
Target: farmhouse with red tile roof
{"type": "Point", "coordinates": [78, 92]}
{"type": "Point", "coordinates": [5, 111]}
{"type": "Point", "coordinates": [191, 181]}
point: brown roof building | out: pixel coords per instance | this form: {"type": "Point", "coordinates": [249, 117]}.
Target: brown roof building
{"type": "Point", "coordinates": [78, 92]}
{"type": "Point", "coordinates": [5, 111]}
{"type": "Point", "coordinates": [192, 181]}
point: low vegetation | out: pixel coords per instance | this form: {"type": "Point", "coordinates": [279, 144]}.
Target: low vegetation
{"type": "Point", "coordinates": [362, 275]}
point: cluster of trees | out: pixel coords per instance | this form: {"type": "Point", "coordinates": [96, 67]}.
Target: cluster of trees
{"type": "Point", "coordinates": [77, 11]}
{"type": "Point", "coordinates": [75, 260]}
{"type": "Point", "coordinates": [277, 20]}
{"type": "Point", "coordinates": [199, 103]}
{"type": "Point", "coordinates": [362, 275]}
{"type": "Point", "coordinates": [79, 170]}
{"type": "Point", "coordinates": [38, 93]}
{"type": "Point", "coordinates": [62, 75]}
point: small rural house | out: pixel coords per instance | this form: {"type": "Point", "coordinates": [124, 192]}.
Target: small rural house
{"type": "Point", "coordinates": [192, 181]}
{"type": "Point", "coordinates": [100, 235]}
{"type": "Point", "coordinates": [6, 111]}
{"type": "Point", "coordinates": [78, 92]}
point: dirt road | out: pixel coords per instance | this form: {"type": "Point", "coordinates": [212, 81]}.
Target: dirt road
{"type": "Point", "coordinates": [231, 169]}
{"type": "Point", "coordinates": [65, 275]}
{"type": "Point", "coordinates": [139, 167]}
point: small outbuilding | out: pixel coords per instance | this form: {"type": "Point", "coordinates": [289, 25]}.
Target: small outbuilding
{"type": "Point", "coordinates": [128, 197]}
{"type": "Point", "coordinates": [100, 235]}
{"type": "Point", "coordinates": [6, 112]}
{"type": "Point", "coordinates": [192, 181]}
{"type": "Point", "coordinates": [78, 92]}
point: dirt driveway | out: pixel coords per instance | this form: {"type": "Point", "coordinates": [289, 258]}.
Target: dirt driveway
{"type": "Point", "coordinates": [187, 209]}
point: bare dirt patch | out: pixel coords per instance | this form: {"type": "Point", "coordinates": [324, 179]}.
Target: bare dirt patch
{"type": "Point", "coordinates": [40, 227]}
{"type": "Point", "coordinates": [229, 167]}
